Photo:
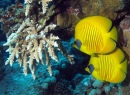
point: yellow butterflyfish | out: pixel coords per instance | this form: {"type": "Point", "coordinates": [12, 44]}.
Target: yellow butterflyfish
{"type": "Point", "coordinates": [110, 67]}
{"type": "Point", "coordinates": [95, 34]}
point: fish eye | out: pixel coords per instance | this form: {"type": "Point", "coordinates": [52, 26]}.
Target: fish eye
{"type": "Point", "coordinates": [78, 43]}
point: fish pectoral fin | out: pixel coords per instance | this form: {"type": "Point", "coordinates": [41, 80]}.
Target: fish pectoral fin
{"type": "Point", "coordinates": [110, 47]}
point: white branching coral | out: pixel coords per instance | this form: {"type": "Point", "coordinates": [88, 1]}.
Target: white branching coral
{"type": "Point", "coordinates": [27, 2]}
{"type": "Point", "coordinates": [30, 46]}
{"type": "Point", "coordinates": [32, 43]}
{"type": "Point", "coordinates": [28, 42]}
{"type": "Point", "coordinates": [44, 5]}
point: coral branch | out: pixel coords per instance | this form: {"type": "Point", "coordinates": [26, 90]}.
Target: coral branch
{"type": "Point", "coordinates": [31, 43]}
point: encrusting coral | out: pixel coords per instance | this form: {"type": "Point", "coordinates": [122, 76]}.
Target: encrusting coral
{"type": "Point", "coordinates": [32, 42]}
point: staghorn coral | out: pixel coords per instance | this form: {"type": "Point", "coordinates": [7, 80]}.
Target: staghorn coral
{"type": "Point", "coordinates": [31, 43]}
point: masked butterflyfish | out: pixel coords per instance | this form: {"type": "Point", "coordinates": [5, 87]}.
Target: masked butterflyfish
{"type": "Point", "coordinates": [95, 34]}
{"type": "Point", "coordinates": [110, 67]}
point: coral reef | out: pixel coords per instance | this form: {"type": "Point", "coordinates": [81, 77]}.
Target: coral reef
{"type": "Point", "coordinates": [124, 43]}
{"type": "Point", "coordinates": [75, 10]}
{"type": "Point", "coordinates": [12, 17]}
{"type": "Point", "coordinates": [37, 38]}
{"type": "Point", "coordinates": [100, 7]}
{"type": "Point", "coordinates": [32, 42]}
{"type": "Point", "coordinates": [124, 33]}
{"type": "Point", "coordinates": [96, 87]}
{"type": "Point", "coordinates": [61, 88]}
{"type": "Point", "coordinates": [15, 82]}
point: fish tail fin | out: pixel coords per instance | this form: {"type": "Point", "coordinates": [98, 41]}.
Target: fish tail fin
{"type": "Point", "coordinates": [112, 40]}
{"type": "Point", "coordinates": [109, 48]}
{"type": "Point", "coordinates": [123, 65]}
{"type": "Point", "coordinates": [113, 34]}
{"type": "Point", "coordinates": [121, 75]}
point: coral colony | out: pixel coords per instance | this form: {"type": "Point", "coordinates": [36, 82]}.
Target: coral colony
{"type": "Point", "coordinates": [31, 43]}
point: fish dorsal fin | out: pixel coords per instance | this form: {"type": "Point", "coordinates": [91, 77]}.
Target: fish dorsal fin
{"type": "Point", "coordinates": [101, 22]}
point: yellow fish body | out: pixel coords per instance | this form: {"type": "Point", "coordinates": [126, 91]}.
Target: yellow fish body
{"type": "Point", "coordinates": [95, 34]}
{"type": "Point", "coordinates": [110, 67]}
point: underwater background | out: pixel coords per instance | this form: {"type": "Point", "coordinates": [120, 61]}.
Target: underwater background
{"type": "Point", "coordinates": [36, 52]}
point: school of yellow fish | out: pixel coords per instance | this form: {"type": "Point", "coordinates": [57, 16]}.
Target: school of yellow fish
{"type": "Point", "coordinates": [97, 37]}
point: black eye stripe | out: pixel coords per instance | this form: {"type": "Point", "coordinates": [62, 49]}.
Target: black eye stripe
{"type": "Point", "coordinates": [91, 68]}
{"type": "Point", "coordinates": [78, 43]}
